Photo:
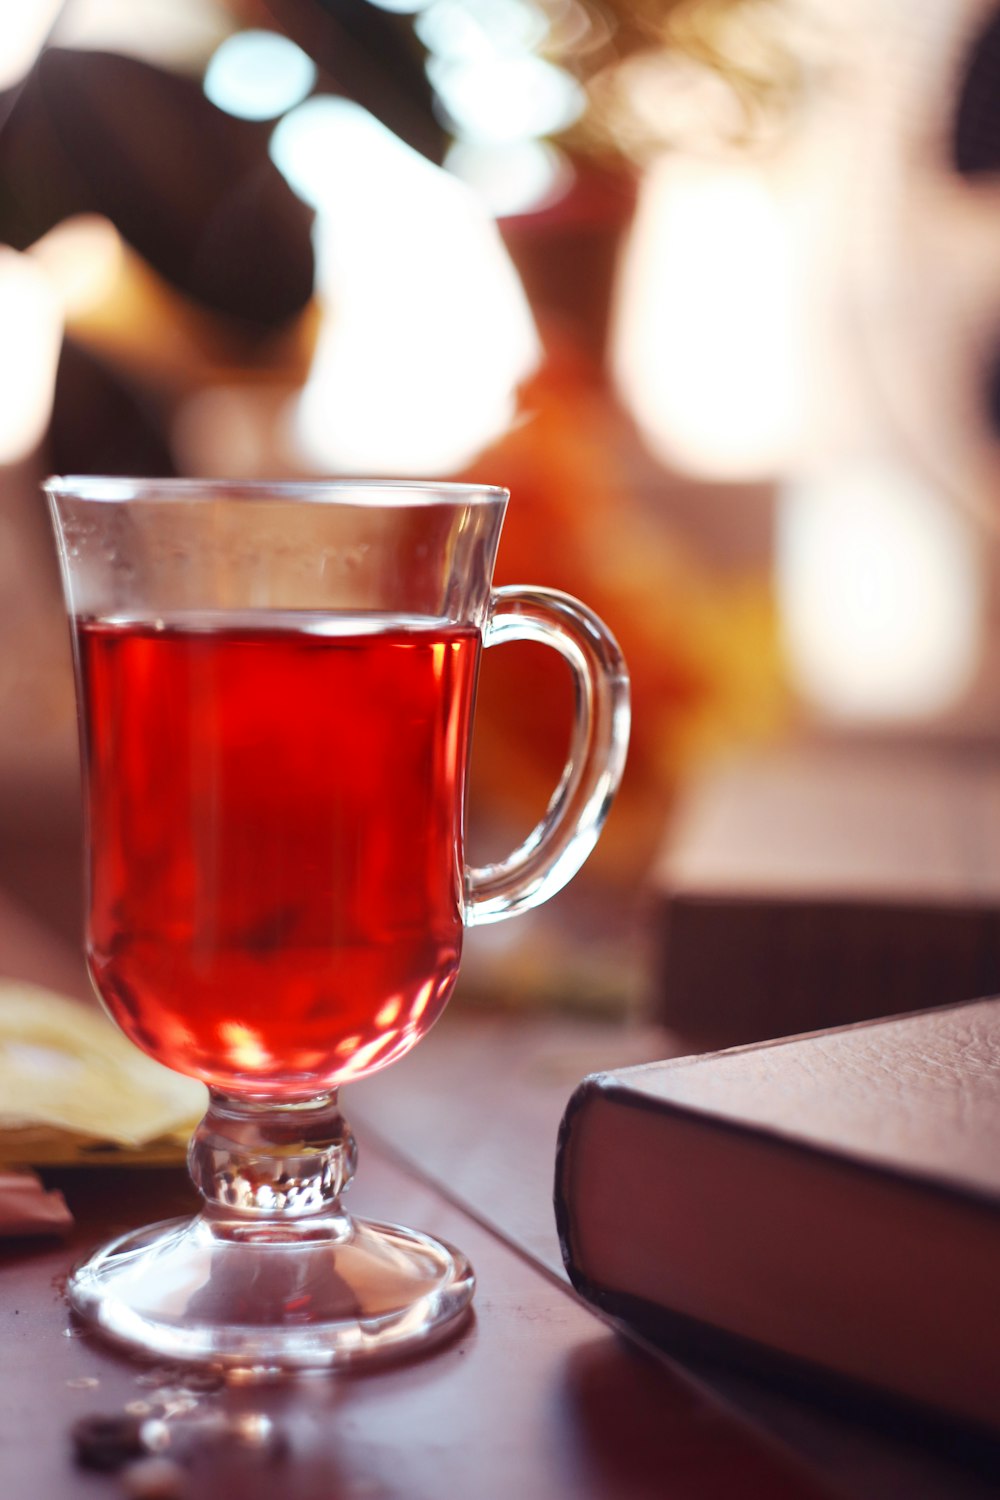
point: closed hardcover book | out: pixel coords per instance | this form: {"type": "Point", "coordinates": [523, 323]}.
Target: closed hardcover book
{"type": "Point", "coordinates": [830, 1202]}
{"type": "Point", "coordinates": [819, 885]}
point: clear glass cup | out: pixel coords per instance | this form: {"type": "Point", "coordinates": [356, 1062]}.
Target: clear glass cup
{"type": "Point", "coordinates": [276, 686]}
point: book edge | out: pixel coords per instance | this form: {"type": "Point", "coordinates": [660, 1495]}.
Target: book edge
{"type": "Point", "coordinates": [770, 1043]}
{"type": "Point", "coordinates": [667, 1328]}
{"type": "Point", "coordinates": [609, 1086]}
{"type": "Point", "coordinates": [622, 1079]}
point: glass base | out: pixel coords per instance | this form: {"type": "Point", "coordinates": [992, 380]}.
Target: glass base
{"type": "Point", "coordinates": [324, 1292]}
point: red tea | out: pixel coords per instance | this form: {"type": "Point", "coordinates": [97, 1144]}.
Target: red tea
{"type": "Point", "coordinates": [275, 814]}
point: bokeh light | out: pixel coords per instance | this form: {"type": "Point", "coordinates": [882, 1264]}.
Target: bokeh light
{"type": "Point", "coordinates": [706, 341]}
{"type": "Point", "coordinates": [258, 75]}
{"type": "Point", "coordinates": [474, 30]}
{"type": "Point", "coordinates": [29, 354]}
{"type": "Point", "coordinates": [167, 33]}
{"type": "Point", "coordinates": [502, 98]}
{"type": "Point", "coordinates": [24, 25]}
{"type": "Point", "coordinates": [516, 178]}
{"type": "Point", "coordinates": [82, 258]}
{"type": "Point", "coordinates": [880, 589]}
{"type": "Point", "coordinates": [399, 7]}
{"type": "Point", "coordinates": [426, 332]}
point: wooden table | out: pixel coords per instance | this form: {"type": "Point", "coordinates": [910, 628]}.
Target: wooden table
{"type": "Point", "coordinates": [537, 1397]}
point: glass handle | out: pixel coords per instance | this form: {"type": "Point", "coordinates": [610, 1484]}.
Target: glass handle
{"type": "Point", "coordinates": [554, 851]}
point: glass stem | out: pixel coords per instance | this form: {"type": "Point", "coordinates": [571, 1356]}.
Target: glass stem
{"type": "Point", "coordinates": [266, 1160]}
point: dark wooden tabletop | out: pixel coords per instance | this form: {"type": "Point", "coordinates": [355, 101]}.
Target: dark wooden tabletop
{"type": "Point", "coordinates": [477, 1107]}
{"type": "Point", "coordinates": [536, 1397]}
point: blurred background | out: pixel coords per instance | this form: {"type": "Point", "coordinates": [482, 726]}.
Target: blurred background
{"type": "Point", "coordinates": [713, 286]}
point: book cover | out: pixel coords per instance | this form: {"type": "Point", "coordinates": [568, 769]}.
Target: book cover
{"type": "Point", "coordinates": [819, 885]}
{"type": "Point", "coordinates": [831, 1199]}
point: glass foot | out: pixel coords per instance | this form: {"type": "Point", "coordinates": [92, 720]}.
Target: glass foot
{"type": "Point", "coordinates": [273, 1275]}
{"type": "Point", "coordinates": [319, 1295]}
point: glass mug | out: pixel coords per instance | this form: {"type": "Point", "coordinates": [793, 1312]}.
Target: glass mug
{"type": "Point", "coordinates": [276, 685]}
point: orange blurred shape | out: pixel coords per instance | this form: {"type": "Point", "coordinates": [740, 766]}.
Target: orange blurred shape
{"type": "Point", "coordinates": [702, 650]}
{"type": "Point", "coordinates": [144, 327]}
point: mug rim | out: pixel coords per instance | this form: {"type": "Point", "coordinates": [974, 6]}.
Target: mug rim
{"type": "Point", "coordinates": [116, 488]}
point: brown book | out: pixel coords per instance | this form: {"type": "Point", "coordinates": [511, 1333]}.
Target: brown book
{"type": "Point", "coordinates": [824, 884]}
{"type": "Point", "coordinates": [830, 1199]}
